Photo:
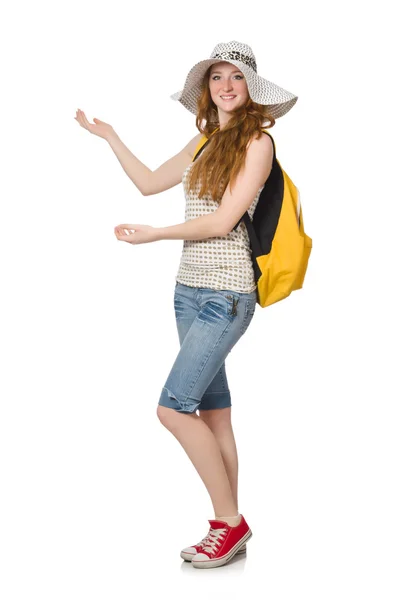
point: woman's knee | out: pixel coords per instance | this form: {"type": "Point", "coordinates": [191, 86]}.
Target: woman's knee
{"type": "Point", "coordinates": [165, 415]}
{"type": "Point", "coordinates": [172, 418]}
{"type": "Point", "coordinates": [218, 418]}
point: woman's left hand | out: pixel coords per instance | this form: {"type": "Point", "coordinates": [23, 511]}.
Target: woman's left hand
{"type": "Point", "coordinates": [142, 234]}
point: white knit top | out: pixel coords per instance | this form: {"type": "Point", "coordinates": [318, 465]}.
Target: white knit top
{"type": "Point", "coordinates": [220, 263]}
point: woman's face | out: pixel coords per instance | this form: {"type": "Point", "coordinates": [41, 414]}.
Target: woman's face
{"type": "Point", "coordinates": [227, 80]}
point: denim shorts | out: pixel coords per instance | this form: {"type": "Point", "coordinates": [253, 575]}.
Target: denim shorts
{"type": "Point", "coordinates": [209, 323]}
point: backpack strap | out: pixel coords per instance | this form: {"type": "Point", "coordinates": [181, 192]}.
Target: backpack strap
{"type": "Point", "coordinates": [201, 145]}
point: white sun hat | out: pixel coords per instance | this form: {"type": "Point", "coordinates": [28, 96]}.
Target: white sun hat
{"type": "Point", "coordinates": [262, 91]}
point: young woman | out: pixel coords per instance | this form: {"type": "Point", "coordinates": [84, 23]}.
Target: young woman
{"type": "Point", "coordinates": [215, 290]}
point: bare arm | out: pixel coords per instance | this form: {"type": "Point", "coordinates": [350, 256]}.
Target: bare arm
{"type": "Point", "coordinates": [219, 223]}
{"type": "Point", "coordinates": [257, 168]}
{"type": "Point", "coordinates": [133, 167]}
{"type": "Point", "coordinates": [164, 177]}
{"type": "Point", "coordinates": [200, 228]}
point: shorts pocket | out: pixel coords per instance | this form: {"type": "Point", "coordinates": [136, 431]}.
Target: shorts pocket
{"type": "Point", "coordinates": [178, 306]}
{"type": "Point", "coordinates": [232, 300]}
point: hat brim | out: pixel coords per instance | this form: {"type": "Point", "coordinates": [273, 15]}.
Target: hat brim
{"type": "Point", "coordinates": [278, 100]}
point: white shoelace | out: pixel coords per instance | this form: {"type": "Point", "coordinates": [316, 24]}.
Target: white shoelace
{"type": "Point", "coordinates": [204, 540]}
{"type": "Point", "coordinates": [214, 539]}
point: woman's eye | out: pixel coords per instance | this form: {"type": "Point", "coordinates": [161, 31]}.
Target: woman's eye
{"type": "Point", "coordinates": [240, 76]}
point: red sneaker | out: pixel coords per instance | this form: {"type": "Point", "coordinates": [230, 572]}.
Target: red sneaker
{"type": "Point", "coordinates": [190, 551]}
{"type": "Point", "coordinates": [221, 544]}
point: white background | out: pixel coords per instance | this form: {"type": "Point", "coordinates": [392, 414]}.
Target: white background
{"type": "Point", "coordinates": [98, 498]}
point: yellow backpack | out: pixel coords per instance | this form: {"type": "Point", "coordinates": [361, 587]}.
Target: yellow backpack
{"type": "Point", "coordinates": [280, 248]}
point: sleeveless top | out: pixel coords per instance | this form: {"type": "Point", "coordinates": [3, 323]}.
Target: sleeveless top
{"type": "Point", "coordinates": [219, 263]}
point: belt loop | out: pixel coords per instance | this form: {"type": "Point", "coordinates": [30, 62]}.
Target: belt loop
{"type": "Point", "coordinates": [198, 296]}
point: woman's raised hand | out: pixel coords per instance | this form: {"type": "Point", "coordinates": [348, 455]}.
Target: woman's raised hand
{"type": "Point", "coordinates": [99, 128]}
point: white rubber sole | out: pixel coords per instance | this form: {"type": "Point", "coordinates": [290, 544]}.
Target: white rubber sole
{"type": "Point", "coordinates": [218, 562]}
{"type": "Point", "coordinates": [189, 557]}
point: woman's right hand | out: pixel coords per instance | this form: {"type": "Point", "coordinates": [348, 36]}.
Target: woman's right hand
{"type": "Point", "coordinates": [99, 128]}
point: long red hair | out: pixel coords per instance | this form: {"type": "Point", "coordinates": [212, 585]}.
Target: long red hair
{"type": "Point", "coordinates": [225, 153]}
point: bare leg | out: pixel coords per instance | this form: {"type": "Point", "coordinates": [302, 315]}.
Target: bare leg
{"type": "Point", "coordinates": [219, 421]}
{"type": "Point", "coordinates": [203, 450]}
